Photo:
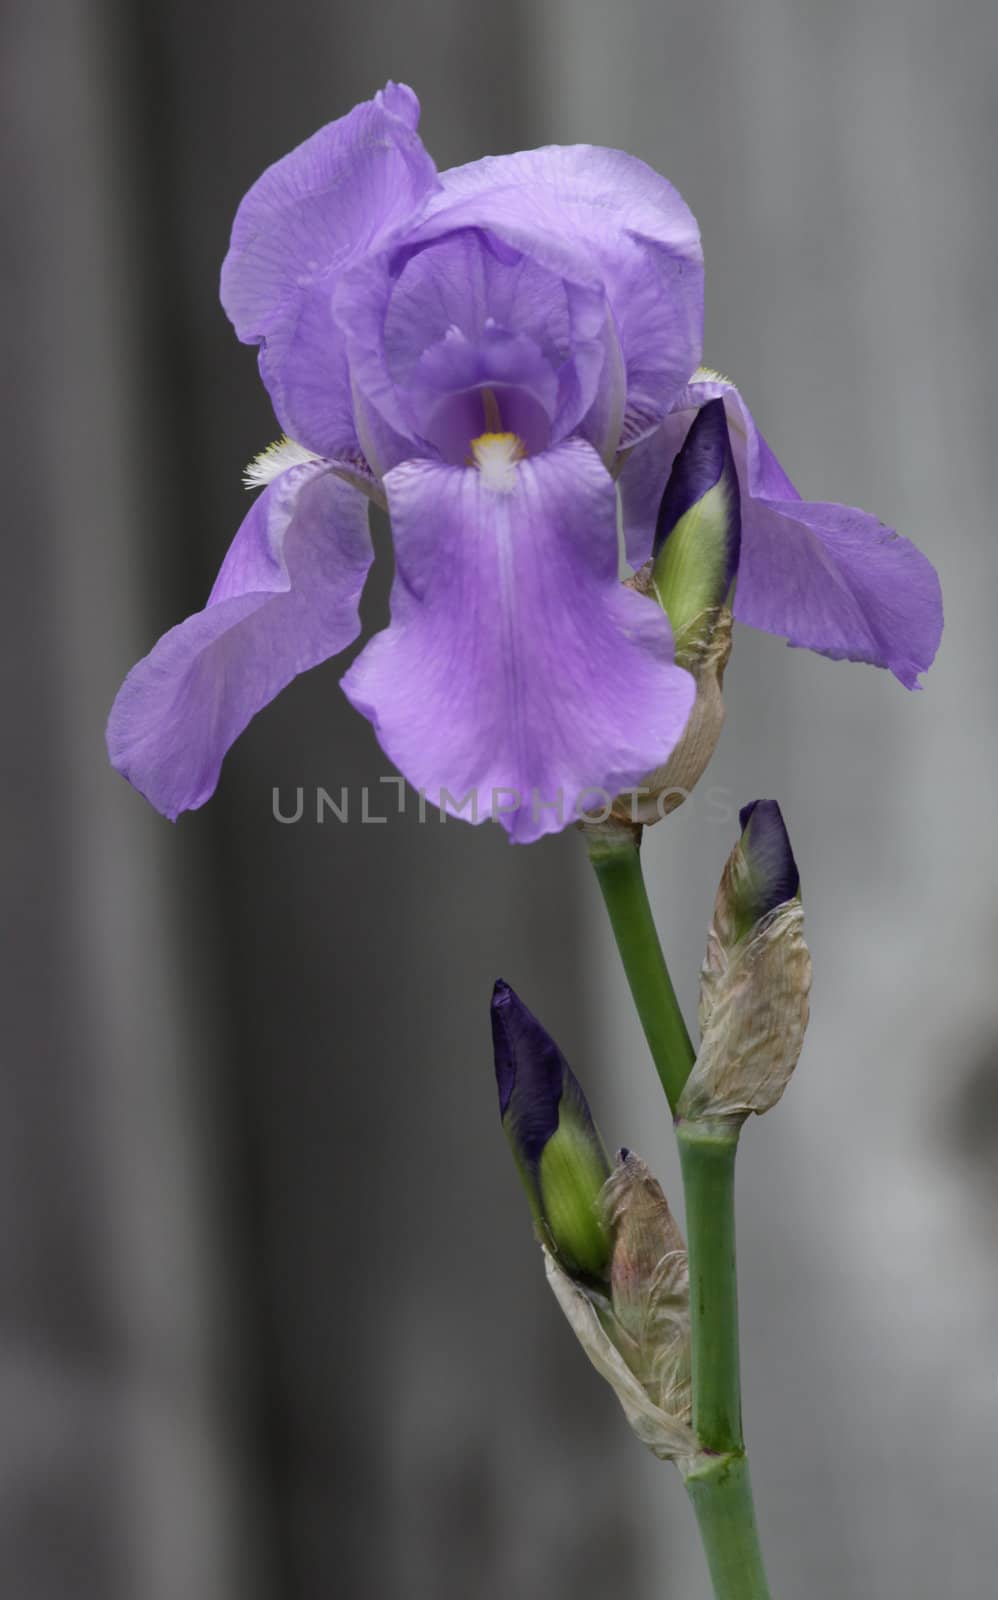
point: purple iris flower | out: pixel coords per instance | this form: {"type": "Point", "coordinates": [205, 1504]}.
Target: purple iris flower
{"type": "Point", "coordinates": [478, 350]}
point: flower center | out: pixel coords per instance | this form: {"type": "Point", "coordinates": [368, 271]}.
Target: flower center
{"type": "Point", "coordinates": [471, 413]}
{"type": "Point", "coordinates": [496, 456]}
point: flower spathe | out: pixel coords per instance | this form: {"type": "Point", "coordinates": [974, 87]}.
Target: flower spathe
{"type": "Point", "coordinates": [755, 981]}
{"type": "Point", "coordinates": [474, 349]}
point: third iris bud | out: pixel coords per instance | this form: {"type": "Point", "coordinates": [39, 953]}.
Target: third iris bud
{"type": "Point", "coordinates": [755, 980]}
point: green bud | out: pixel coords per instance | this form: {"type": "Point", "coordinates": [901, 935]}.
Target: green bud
{"type": "Point", "coordinates": [698, 535]}
{"type": "Point", "coordinates": [691, 575]}
{"type": "Point", "coordinates": [570, 1175]}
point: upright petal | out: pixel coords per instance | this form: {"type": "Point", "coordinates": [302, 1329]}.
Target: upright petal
{"type": "Point", "coordinates": [467, 280]}
{"type": "Point", "coordinates": [334, 199]}
{"type": "Point", "coordinates": [285, 599]}
{"type": "Point", "coordinates": [517, 674]}
{"type": "Point", "coordinates": [826, 577]}
{"type": "Point", "coordinates": [397, 308]}
{"type": "Point", "coordinates": [596, 215]}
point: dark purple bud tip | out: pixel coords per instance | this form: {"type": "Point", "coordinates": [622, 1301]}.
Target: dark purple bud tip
{"type": "Point", "coordinates": [505, 1009]}
{"type": "Point", "coordinates": [536, 1084]}
{"type": "Point", "coordinates": [771, 871]}
{"type": "Point", "coordinates": [704, 462]}
{"type": "Point", "coordinates": [530, 1073]}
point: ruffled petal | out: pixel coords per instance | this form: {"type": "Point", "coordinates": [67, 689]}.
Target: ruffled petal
{"type": "Point", "coordinates": [825, 577]}
{"type": "Point", "coordinates": [285, 599]}
{"type": "Point", "coordinates": [468, 281]}
{"type": "Point", "coordinates": [593, 215]}
{"type": "Point", "coordinates": [334, 199]}
{"type": "Point", "coordinates": [834, 579]}
{"type": "Point", "coordinates": [517, 673]}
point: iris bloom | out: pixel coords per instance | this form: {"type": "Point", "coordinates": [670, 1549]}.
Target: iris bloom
{"type": "Point", "coordinates": [481, 351]}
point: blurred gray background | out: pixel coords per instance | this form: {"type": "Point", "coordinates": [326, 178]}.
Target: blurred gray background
{"type": "Point", "coordinates": [272, 1324]}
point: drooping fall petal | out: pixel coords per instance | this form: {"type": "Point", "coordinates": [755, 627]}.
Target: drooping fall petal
{"type": "Point", "coordinates": [518, 676]}
{"type": "Point", "coordinates": [285, 599]}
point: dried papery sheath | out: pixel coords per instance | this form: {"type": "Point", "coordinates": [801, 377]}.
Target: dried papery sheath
{"type": "Point", "coordinates": [636, 1332]}
{"type": "Point", "coordinates": [755, 980]}
{"type": "Point", "coordinates": [705, 656]}
{"type": "Point", "coordinates": [649, 1283]}
{"type": "Point", "coordinates": [691, 573]}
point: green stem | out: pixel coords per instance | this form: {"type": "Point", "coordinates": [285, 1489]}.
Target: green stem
{"type": "Point", "coordinates": [708, 1163]}
{"type": "Point", "coordinates": [718, 1485]}
{"type": "Point", "coordinates": [719, 1488]}
{"type": "Point", "coordinates": [721, 1495]}
{"type": "Point", "coordinates": [616, 858]}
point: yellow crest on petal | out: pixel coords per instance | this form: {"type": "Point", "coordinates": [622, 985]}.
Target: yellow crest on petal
{"type": "Point", "coordinates": [497, 455]}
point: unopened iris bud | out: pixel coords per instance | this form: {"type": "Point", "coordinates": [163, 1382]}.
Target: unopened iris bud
{"type": "Point", "coordinates": [756, 978]}
{"type": "Point", "coordinates": [693, 567]}
{"type": "Point", "coordinates": [698, 532]}
{"type": "Point", "coordinates": [613, 1254]}
{"type": "Point", "coordinates": [558, 1151]}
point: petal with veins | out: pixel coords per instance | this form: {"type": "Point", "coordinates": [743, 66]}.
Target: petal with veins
{"type": "Point", "coordinates": [338, 197]}
{"type": "Point", "coordinates": [516, 664]}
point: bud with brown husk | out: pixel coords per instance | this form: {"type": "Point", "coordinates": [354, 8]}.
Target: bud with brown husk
{"type": "Point", "coordinates": [755, 980]}
{"type": "Point", "coordinates": [613, 1254]}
